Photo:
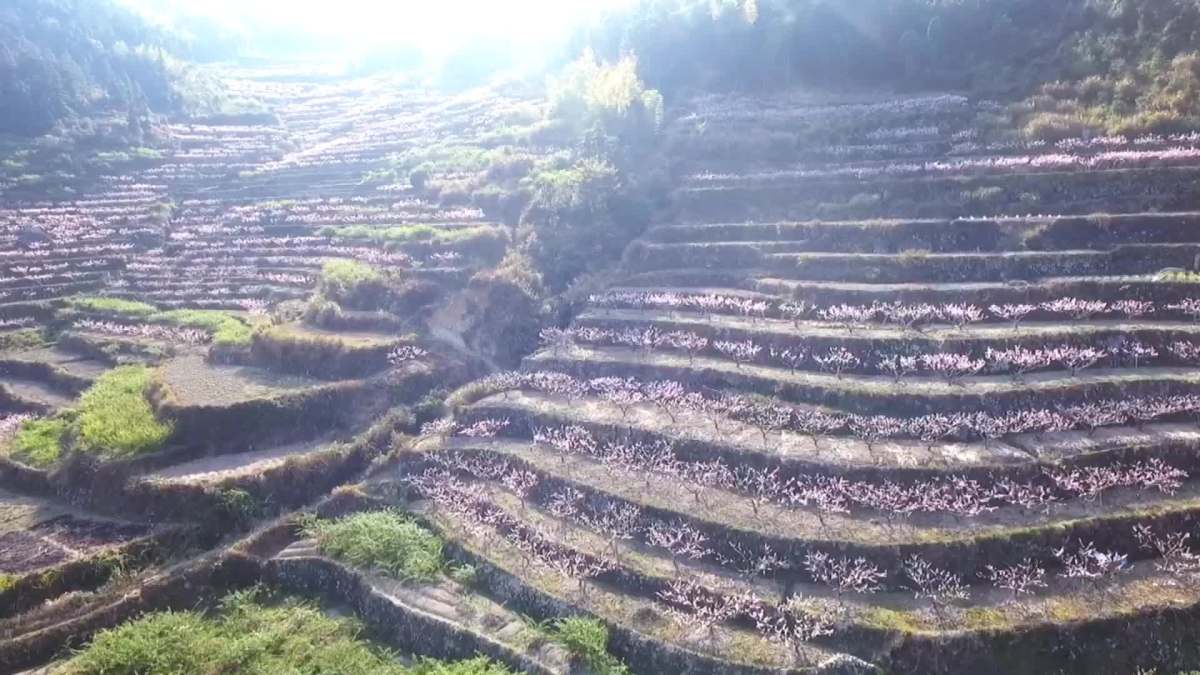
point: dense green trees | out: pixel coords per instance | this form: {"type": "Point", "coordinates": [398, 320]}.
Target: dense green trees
{"type": "Point", "coordinates": [1114, 65]}
{"type": "Point", "coordinates": [64, 56]}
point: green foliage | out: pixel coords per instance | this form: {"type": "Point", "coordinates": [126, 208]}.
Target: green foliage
{"type": "Point", "coordinates": [227, 330]}
{"type": "Point", "coordinates": [352, 284]}
{"type": "Point", "coordinates": [583, 186]}
{"type": "Point", "coordinates": [612, 96]}
{"type": "Point", "coordinates": [58, 57]}
{"type": "Point", "coordinates": [115, 418]}
{"type": "Point", "coordinates": [238, 505]}
{"type": "Point", "coordinates": [477, 666]}
{"type": "Point", "coordinates": [409, 233]}
{"type": "Point", "coordinates": [466, 575]}
{"type": "Point", "coordinates": [128, 308]}
{"type": "Point", "coordinates": [1112, 66]}
{"type": "Point", "coordinates": [249, 636]}
{"type": "Point", "coordinates": [39, 443]}
{"type": "Point", "coordinates": [580, 218]}
{"type": "Point", "coordinates": [8, 581]}
{"type": "Point", "coordinates": [587, 640]}
{"type": "Point", "coordinates": [25, 338]}
{"type": "Point", "coordinates": [387, 540]}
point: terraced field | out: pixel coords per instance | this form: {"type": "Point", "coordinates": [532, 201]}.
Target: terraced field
{"type": "Point", "coordinates": [846, 405]}
{"type": "Point", "coordinates": [842, 408]}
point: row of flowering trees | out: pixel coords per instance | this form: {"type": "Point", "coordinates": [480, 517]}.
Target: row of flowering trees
{"type": "Point", "coordinates": [904, 314]}
{"type": "Point", "coordinates": [789, 621]}
{"type": "Point", "coordinates": [1016, 360]}
{"type": "Point", "coordinates": [994, 164]}
{"type": "Point", "coordinates": [671, 398]}
{"type": "Point", "coordinates": [957, 495]}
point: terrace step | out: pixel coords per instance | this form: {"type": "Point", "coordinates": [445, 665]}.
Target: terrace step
{"type": "Point", "coordinates": [636, 620]}
{"type": "Point", "coordinates": [77, 366]}
{"type": "Point", "coordinates": [414, 613]}
{"type": "Point", "coordinates": [1097, 191]}
{"type": "Point", "coordinates": [820, 335]}
{"type": "Point", "coordinates": [881, 627]}
{"type": "Point", "coordinates": [1132, 259]}
{"type": "Point", "coordinates": [35, 395]}
{"type": "Point", "coordinates": [1002, 537]}
{"type": "Point", "coordinates": [220, 468]}
{"type": "Point", "coordinates": [867, 394]}
{"type": "Point", "coordinates": [944, 236]}
{"type": "Point", "coordinates": [766, 286]}
{"type": "Point", "coordinates": [693, 434]}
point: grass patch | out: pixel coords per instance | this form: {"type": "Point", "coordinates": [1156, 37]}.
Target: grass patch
{"type": "Point", "coordinates": [587, 640]}
{"type": "Point", "coordinates": [249, 635]}
{"type": "Point", "coordinates": [387, 540]}
{"type": "Point", "coordinates": [352, 284]}
{"type": "Point", "coordinates": [112, 306]}
{"type": "Point", "coordinates": [8, 581]}
{"type": "Point", "coordinates": [227, 330]}
{"type": "Point", "coordinates": [890, 619]}
{"type": "Point", "coordinates": [115, 418]}
{"type": "Point", "coordinates": [39, 443]}
{"type": "Point", "coordinates": [25, 338]}
{"type": "Point", "coordinates": [339, 278]}
{"type": "Point", "coordinates": [409, 233]}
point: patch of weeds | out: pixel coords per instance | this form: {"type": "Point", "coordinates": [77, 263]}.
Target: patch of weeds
{"type": "Point", "coordinates": [237, 504]}
{"type": "Point", "coordinates": [407, 233]}
{"type": "Point", "coordinates": [39, 443]}
{"type": "Point", "coordinates": [112, 306]}
{"type": "Point", "coordinates": [26, 338]}
{"type": "Point", "coordinates": [115, 418]}
{"type": "Point", "coordinates": [983, 617]}
{"type": "Point", "coordinates": [466, 575]}
{"type": "Point", "coordinates": [246, 636]}
{"type": "Point", "coordinates": [227, 330]}
{"type": "Point", "coordinates": [352, 284]}
{"type": "Point", "coordinates": [477, 666]}
{"type": "Point", "coordinates": [387, 540]}
{"type": "Point", "coordinates": [8, 581]}
{"type": "Point", "coordinates": [587, 640]}
{"type": "Point", "coordinates": [431, 406]}
{"type": "Point", "coordinates": [890, 619]}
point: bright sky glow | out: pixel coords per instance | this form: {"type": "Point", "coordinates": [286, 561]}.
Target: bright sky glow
{"type": "Point", "coordinates": [436, 26]}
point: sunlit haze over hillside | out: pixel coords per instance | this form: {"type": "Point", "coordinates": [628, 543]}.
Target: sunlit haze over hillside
{"type": "Point", "coordinates": [436, 28]}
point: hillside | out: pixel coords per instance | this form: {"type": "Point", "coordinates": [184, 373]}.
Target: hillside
{"type": "Point", "coordinates": [571, 377]}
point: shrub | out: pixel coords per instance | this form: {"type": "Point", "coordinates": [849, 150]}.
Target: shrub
{"type": "Point", "coordinates": [587, 640]}
{"type": "Point", "coordinates": [26, 338]}
{"type": "Point", "coordinates": [589, 92]}
{"type": "Point", "coordinates": [39, 443]}
{"type": "Point", "coordinates": [116, 420]}
{"type": "Point", "coordinates": [387, 540]}
{"type": "Point", "coordinates": [352, 284]}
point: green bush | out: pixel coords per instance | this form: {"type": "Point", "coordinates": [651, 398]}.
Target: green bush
{"type": "Point", "coordinates": [115, 418]}
{"type": "Point", "coordinates": [587, 640]}
{"type": "Point", "coordinates": [249, 635]}
{"type": "Point", "coordinates": [39, 443]}
{"type": "Point", "coordinates": [387, 540]}
{"type": "Point", "coordinates": [352, 284]}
